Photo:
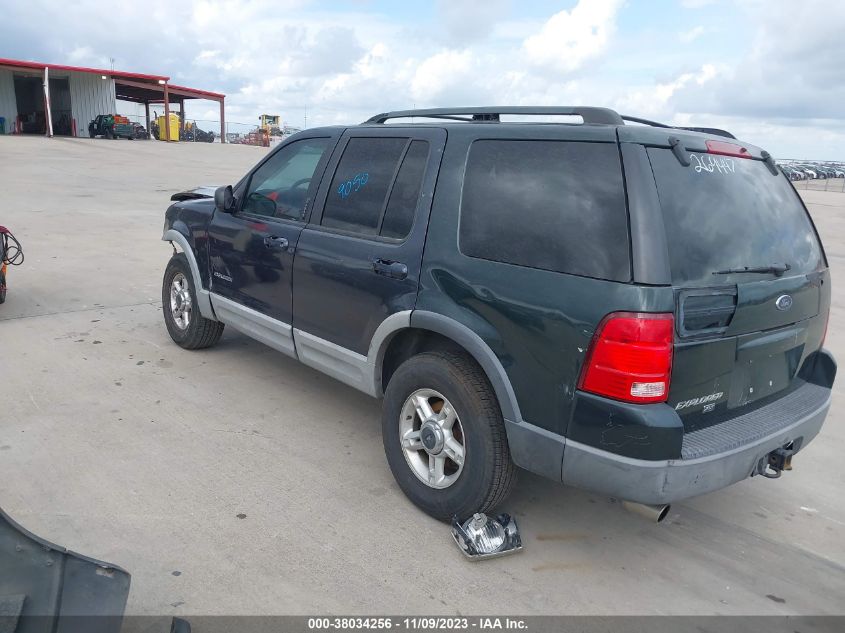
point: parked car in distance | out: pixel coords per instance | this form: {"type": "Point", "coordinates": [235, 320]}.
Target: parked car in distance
{"type": "Point", "coordinates": [111, 126]}
{"type": "Point", "coordinates": [579, 300]}
{"type": "Point", "coordinates": [792, 173]}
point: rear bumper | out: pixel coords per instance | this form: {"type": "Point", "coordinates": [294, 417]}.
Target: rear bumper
{"type": "Point", "coordinates": [655, 482]}
{"type": "Point", "coordinates": [711, 458]}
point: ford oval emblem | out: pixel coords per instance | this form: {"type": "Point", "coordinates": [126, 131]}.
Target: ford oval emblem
{"type": "Point", "coordinates": [783, 303]}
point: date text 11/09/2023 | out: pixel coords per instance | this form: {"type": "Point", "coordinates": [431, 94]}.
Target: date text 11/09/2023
{"type": "Point", "coordinates": [417, 624]}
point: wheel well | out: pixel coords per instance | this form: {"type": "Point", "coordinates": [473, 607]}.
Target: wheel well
{"type": "Point", "coordinates": [411, 342]}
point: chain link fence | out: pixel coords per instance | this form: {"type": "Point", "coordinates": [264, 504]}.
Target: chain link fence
{"type": "Point", "coordinates": [821, 184]}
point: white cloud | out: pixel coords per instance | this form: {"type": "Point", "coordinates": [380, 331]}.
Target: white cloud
{"type": "Point", "coordinates": [690, 36]}
{"type": "Point", "coordinates": [792, 70]}
{"type": "Point", "coordinates": [655, 100]}
{"type": "Point", "coordinates": [466, 21]}
{"type": "Point", "coordinates": [570, 38]}
{"type": "Point", "coordinates": [440, 74]}
{"type": "Point", "coordinates": [343, 65]}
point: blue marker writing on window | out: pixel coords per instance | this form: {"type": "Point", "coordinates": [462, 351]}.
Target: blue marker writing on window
{"type": "Point", "coordinates": [353, 185]}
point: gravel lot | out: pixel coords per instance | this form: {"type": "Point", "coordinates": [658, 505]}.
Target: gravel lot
{"type": "Point", "coordinates": [236, 481]}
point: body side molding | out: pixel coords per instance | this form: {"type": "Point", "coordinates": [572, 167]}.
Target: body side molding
{"type": "Point", "coordinates": [267, 330]}
{"type": "Point", "coordinates": [356, 370]}
{"type": "Point", "coordinates": [203, 295]}
{"type": "Point", "coordinates": [333, 360]}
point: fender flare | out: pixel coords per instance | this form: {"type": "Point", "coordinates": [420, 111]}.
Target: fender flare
{"type": "Point", "coordinates": [531, 447]}
{"type": "Point", "coordinates": [479, 350]}
{"type": "Point", "coordinates": [203, 296]}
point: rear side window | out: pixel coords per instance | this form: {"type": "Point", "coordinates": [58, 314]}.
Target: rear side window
{"type": "Point", "coordinates": [722, 213]}
{"type": "Point", "coordinates": [555, 205]}
{"type": "Point", "coordinates": [361, 183]}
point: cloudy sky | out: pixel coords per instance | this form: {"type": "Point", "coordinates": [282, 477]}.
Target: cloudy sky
{"type": "Point", "coordinates": [773, 72]}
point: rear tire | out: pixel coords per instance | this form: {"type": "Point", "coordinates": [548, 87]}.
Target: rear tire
{"type": "Point", "coordinates": [485, 474]}
{"type": "Point", "coordinates": [186, 326]}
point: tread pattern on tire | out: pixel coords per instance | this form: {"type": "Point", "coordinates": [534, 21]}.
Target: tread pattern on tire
{"type": "Point", "coordinates": [202, 332]}
{"type": "Point", "coordinates": [505, 470]}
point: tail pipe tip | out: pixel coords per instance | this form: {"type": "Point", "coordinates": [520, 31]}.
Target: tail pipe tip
{"type": "Point", "coordinates": [654, 513]}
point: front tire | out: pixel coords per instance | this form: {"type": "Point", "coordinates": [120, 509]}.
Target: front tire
{"type": "Point", "coordinates": [186, 326]}
{"type": "Point", "coordinates": [444, 436]}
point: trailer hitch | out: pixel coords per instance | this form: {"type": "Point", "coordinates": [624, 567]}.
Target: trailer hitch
{"type": "Point", "coordinates": [776, 462]}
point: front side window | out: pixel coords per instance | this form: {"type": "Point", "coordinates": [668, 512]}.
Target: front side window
{"type": "Point", "coordinates": [553, 205]}
{"type": "Point", "coordinates": [279, 188]}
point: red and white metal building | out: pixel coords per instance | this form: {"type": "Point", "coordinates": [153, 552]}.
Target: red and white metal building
{"type": "Point", "coordinates": [55, 99]}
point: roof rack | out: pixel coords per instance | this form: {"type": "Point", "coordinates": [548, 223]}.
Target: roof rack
{"type": "Point", "coordinates": [601, 116]}
{"type": "Point", "coordinates": [705, 130]}
{"type": "Point", "coordinates": [591, 115]}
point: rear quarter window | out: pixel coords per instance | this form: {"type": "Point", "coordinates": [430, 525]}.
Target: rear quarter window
{"type": "Point", "coordinates": [553, 205]}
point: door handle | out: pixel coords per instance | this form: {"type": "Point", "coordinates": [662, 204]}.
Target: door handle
{"type": "Point", "coordinates": [275, 242]}
{"type": "Point", "coordinates": [389, 268]}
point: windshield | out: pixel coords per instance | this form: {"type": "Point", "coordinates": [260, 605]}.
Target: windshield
{"type": "Point", "coordinates": [724, 213]}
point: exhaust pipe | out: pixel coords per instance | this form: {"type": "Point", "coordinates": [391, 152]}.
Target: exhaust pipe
{"type": "Point", "coordinates": [655, 514]}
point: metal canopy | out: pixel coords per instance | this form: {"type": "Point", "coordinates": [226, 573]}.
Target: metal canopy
{"type": "Point", "coordinates": [130, 86]}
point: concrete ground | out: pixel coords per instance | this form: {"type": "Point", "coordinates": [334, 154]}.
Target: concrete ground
{"type": "Point", "coordinates": [236, 481]}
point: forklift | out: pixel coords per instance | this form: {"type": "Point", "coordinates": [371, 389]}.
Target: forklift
{"type": "Point", "coordinates": [11, 254]}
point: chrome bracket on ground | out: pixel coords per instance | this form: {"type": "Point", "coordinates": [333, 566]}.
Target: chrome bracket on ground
{"type": "Point", "coordinates": [481, 537]}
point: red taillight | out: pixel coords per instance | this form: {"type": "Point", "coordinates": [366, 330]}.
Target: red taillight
{"type": "Point", "coordinates": [723, 148]}
{"type": "Point", "coordinates": [630, 357]}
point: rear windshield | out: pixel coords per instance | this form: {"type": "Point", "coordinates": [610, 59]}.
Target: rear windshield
{"type": "Point", "coordinates": [723, 213]}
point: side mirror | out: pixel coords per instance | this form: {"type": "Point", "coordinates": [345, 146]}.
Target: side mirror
{"type": "Point", "coordinates": [224, 199]}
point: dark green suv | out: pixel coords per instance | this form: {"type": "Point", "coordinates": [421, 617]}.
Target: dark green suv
{"type": "Point", "coordinates": [631, 308]}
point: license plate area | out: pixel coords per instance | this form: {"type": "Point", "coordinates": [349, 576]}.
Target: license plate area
{"type": "Point", "coordinates": [766, 363]}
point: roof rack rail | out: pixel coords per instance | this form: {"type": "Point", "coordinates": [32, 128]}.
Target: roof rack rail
{"type": "Point", "coordinates": [600, 116]}
{"type": "Point", "coordinates": [705, 130]}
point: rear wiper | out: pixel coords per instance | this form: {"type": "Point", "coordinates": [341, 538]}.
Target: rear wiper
{"type": "Point", "coordinates": [776, 269]}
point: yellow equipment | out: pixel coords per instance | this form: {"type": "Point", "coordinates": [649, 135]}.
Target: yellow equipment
{"type": "Point", "coordinates": [174, 128]}
{"type": "Point", "coordinates": [269, 121]}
